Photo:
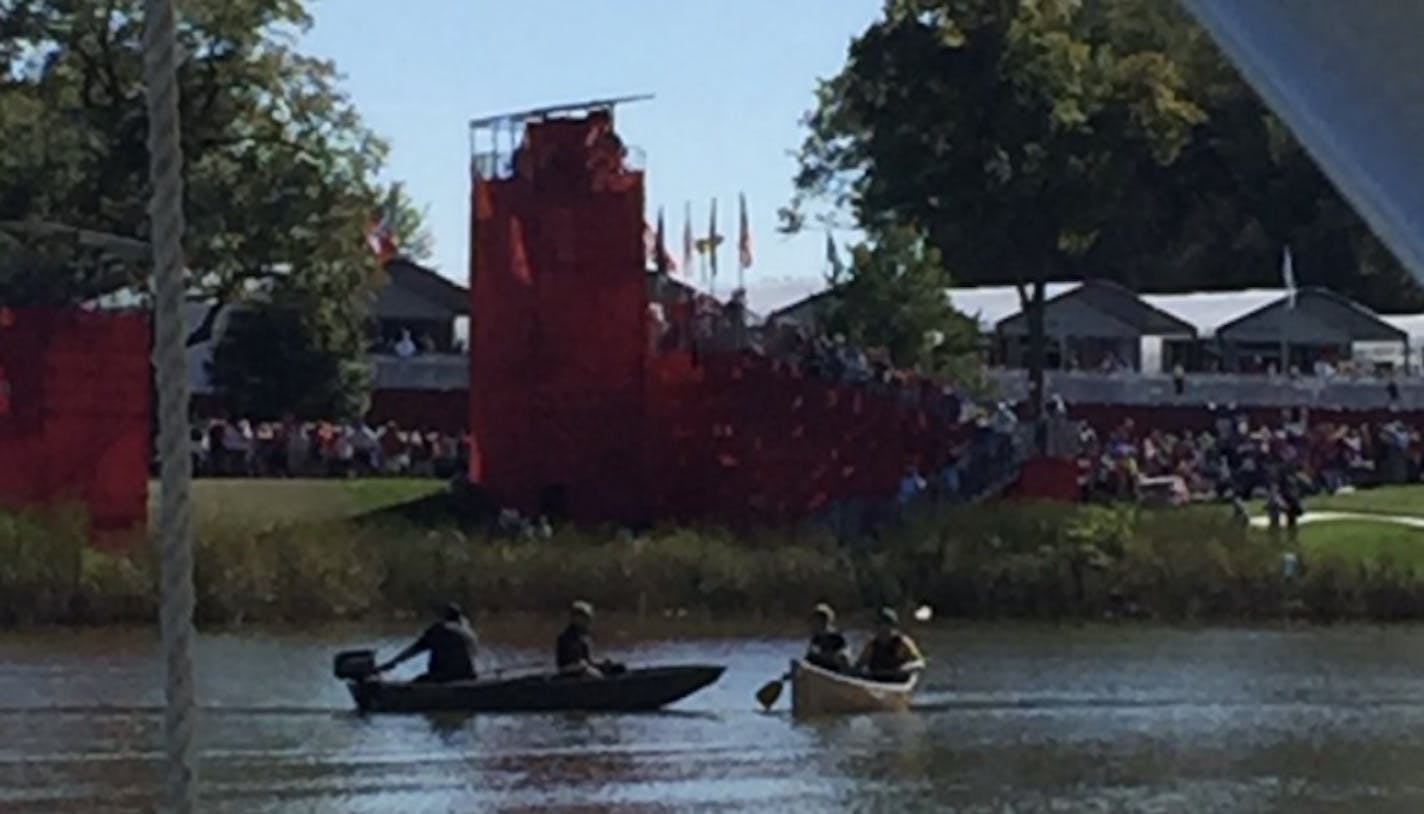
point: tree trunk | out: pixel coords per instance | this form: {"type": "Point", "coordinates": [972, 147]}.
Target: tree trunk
{"type": "Point", "coordinates": [1037, 347]}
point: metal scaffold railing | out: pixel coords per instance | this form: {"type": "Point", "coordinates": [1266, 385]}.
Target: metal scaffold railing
{"type": "Point", "coordinates": [160, 64]}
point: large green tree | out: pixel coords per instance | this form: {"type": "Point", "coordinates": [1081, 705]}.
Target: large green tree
{"type": "Point", "coordinates": [285, 358]}
{"type": "Point", "coordinates": [280, 172]}
{"type": "Point", "coordinates": [1240, 191]}
{"type": "Point", "coordinates": [1009, 131]}
{"type": "Point", "coordinates": [891, 297]}
{"type": "Point", "coordinates": [1042, 139]}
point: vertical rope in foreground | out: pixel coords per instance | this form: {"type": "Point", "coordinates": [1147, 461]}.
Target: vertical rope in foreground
{"type": "Point", "coordinates": [160, 66]}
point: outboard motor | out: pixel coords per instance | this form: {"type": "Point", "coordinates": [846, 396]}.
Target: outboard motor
{"type": "Point", "coordinates": [355, 665]}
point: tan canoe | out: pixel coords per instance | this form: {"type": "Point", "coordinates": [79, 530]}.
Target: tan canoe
{"type": "Point", "coordinates": [815, 691]}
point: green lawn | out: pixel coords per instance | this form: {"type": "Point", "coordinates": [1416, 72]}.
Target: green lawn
{"type": "Point", "coordinates": [275, 501]}
{"type": "Point", "coordinates": [1407, 500]}
{"type": "Point", "coordinates": [1363, 541]}
{"type": "Point", "coordinates": [1400, 500]}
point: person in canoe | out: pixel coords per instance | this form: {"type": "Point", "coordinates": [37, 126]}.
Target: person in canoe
{"type": "Point", "coordinates": [573, 652]}
{"type": "Point", "coordinates": [828, 648]}
{"type": "Point", "coordinates": [891, 656]}
{"type": "Point", "coordinates": [451, 644]}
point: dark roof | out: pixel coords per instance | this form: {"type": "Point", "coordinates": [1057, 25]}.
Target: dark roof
{"type": "Point", "coordinates": [1100, 308]}
{"type": "Point", "coordinates": [1320, 316]}
{"type": "Point", "coordinates": [418, 293]}
{"type": "Point", "coordinates": [813, 305]}
{"type": "Point", "coordinates": [664, 288]}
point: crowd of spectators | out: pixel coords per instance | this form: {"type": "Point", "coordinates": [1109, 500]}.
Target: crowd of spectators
{"type": "Point", "coordinates": [1238, 459]}
{"type": "Point", "coordinates": [290, 448]}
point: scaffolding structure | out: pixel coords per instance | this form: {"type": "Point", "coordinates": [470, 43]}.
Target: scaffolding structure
{"type": "Point", "coordinates": [494, 139]}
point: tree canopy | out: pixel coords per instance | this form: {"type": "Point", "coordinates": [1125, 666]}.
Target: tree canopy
{"type": "Point", "coordinates": [279, 170]}
{"type": "Point", "coordinates": [321, 375]}
{"type": "Point", "coordinates": [891, 297]}
{"type": "Point", "coordinates": [1035, 139]}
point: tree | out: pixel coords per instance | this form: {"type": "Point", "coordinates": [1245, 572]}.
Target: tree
{"type": "Point", "coordinates": [1010, 131]}
{"type": "Point", "coordinates": [1240, 191]}
{"type": "Point", "coordinates": [279, 169]}
{"type": "Point", "coordinates": [321, 374]}
{"type": "Point", "coordinates": [892, 297]}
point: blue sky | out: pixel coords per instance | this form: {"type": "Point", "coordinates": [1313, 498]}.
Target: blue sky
{"type": "Point", "coordinates": [732, 79]}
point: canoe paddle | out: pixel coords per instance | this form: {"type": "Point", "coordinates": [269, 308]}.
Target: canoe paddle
{"type": "Point", "coordinates": [769, 692]}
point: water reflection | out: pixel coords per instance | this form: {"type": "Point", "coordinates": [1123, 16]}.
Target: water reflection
{"type": "Point", "coordinates": [1129, 719]}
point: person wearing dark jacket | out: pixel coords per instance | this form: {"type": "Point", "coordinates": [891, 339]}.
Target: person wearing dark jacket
{"type": "Point", "coordinates": [828, 648]}
{"type": "Point", "coordinates": [451, 644]}
{"type": "Point", "coordinates": [891, 655]}
{"type": "Point", "coordinates": [573, 651]}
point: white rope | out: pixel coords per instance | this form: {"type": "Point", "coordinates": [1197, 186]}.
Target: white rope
{"type": "Point", "coordinates": [175, 525]}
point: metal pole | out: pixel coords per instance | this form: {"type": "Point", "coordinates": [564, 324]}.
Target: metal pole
{"type": "Point", "coordinates": [160, 63]}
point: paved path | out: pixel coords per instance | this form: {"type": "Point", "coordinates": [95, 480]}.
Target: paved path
{"type": "Point", "coordinates": [1264, 521]}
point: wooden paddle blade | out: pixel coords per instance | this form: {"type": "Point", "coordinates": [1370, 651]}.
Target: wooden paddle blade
{"type": "Point", "coordinates": [769, 692]}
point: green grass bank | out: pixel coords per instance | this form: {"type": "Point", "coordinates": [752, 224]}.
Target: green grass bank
{"type": "Point", "coordinates": [308, 551]}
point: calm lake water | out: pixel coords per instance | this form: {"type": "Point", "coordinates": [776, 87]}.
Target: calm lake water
{"type": "Point", "coordinates": [1010, 719]}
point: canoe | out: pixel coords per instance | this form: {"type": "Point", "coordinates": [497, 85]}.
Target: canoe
{"type": "Point", "coordinates": [631, 691]}
{"type": "Point", "coordinates": [816, 691]}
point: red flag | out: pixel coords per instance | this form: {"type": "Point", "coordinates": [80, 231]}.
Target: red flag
{"type": "Point", "coordinates": [744, 236]}
{"type": "Point", "coordinates": [380, 234]}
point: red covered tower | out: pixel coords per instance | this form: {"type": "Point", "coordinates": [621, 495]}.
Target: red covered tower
{"type": "Point", "coordinates": [558, 307]}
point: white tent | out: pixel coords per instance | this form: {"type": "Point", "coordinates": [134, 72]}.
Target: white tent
{"type": "Point", "coordinates": [1209, 310]}
{"type": "Point", "coordinates": [992, 303]}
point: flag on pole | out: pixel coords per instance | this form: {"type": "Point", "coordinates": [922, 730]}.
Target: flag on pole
{"type": "Point", "coordinates": [662, 261]}
{"type": "Point", "coordinates": [713, 241]}
{"type": "Point", "coordinates": [744, 236]}
{"type": "Point", "coordinates": [380, 234]}
{"type": "Point", "coordinates": [833, 257]}
{"type": "Point", "coordinates": [1288, 276]}
{"type": "Point", "coordinates": [687, 244]}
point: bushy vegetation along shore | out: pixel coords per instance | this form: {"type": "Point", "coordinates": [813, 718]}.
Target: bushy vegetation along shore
{"type": "Point", "coordinates": [999, 560]}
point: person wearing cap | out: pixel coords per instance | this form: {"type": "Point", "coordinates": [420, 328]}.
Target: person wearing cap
{"type": "Point", "coordinates": [451, 644]}
{"type": "Point", "coordinates": [573, 652]}
{"type": "Point", "coordinates": [891, 655]}
{"type": "Point", "coordinates": [828, 648]}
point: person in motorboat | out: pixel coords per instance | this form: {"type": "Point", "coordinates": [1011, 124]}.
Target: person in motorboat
{"type": "Point", "coordinates": [451, 643]}
{"type": "Point", "coordinates": [828, 648]}
{"type": "Point", "coordinates": [573, 652]}
{"type": "Point", "coordinates": [891, 656]}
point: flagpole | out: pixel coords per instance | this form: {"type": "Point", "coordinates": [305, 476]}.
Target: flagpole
{"type": "Point", "coordinates": [712, 246]}
{"type": "Point", "coordinates": [741, 237]}
{"type": "Point", "coordinates": [1288, 278]}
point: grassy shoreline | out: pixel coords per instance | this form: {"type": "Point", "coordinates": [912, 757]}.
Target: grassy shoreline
{"type": "Point", "coordinates": [260, 560]}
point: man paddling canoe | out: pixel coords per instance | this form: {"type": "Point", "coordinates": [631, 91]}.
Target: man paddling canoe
{"type": "Point", "coordinates": [891, 656]}
{"type": "Point", "coordinates": [451, 644]}
{"type": "Point", "coordinates": [828, 648]}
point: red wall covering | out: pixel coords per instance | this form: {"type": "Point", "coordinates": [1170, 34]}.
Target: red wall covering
{"type": "Point", "coordinates": [567, 401]}
{"type": "Point", "coordinates": [1047, 479]}
{"type": "Point", "coordinates": [74, 417]}
{"type": "Point", "coordinates": [565, 393]}
{"type": "Point", "coordinates": [741, 437]}
{"type": "Point", "coordinates": [558, 307]}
